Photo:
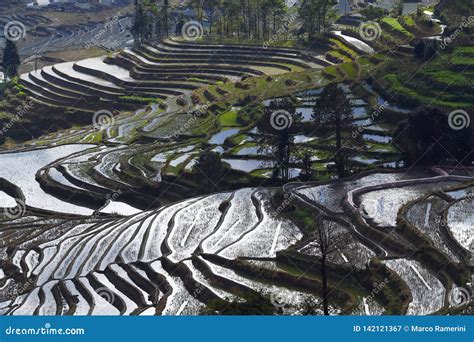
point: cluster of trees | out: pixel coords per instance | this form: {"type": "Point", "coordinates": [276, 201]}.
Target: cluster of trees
{"type": "Point", "coordinates": [315, 15]}
{"type": "Point", "coordinates": [249, 19]}
{"type": "Point", "coordinates": [426, 138]}
{"type": "Point", "coordinates": [426, 49]}
{"type": "Point", "coordinates": [241, 19]}
{"type": "Point", "coordinates": [278, 140]}
{"type": "Point", "coordinates": [151, 20]}
{"type": "Point", "coordinates": [332, 111]}
{"type": "Point", "coordinates": [262, 19]}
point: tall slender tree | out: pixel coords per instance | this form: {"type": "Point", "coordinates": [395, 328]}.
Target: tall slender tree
{"type": "Point", "coordinates": [330, 238]}
{"type": "Point", "coordinates": [277, 124]}
{"type": "Point", "coordinates": [165, 18]}
{"type": "Point", "coordinates": [179, 24]}
{"type": "Point", "coordinates": [211, 7]}
{"type": "Point", "coordinates": [140, 23]}
{"type": "Point", "coordinates": [11, 59]}
{"type": "Point", "coordinates": [199, 7]}
{"type": "Point", "coordinates": [333, 110]}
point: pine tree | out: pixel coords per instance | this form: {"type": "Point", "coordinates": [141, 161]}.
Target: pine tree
{"type": "Point", "coordinates": [333, 109]}
{"type": "Point", "coordinates": [277, 124]}
{"type": "Point", "coordinates": [179, 25]}
{"type": "Point", "coordinates": [165, 18]}
{"type": "Point", "coordinates": [11, 59]}
{"type": "Point", "coordinates": [211, 6]}
{"type": "Point", "coordinates": [139, 24]}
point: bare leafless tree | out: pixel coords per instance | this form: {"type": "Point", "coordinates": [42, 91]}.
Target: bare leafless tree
{"type": "Point", "coordinates": [330, 238]}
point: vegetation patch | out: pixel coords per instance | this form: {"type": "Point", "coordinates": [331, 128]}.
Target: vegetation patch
{"type": "Point", "coordinates": [394, 26]}
{"type": "Point", "coordinates": [140, 100]}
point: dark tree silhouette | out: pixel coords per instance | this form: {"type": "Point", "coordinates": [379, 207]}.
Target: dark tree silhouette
{"type": "Point", "coordinates": [330, 238]}
{"type": "Point", "coordinates": [333, 110]}
{"type": "Point", "coordinates": [209, 169]}
{"type": "Point", "coordinates": [11, 59]}
{"type": "Point", "coordinates": [165, 18]}
{"type": "Point", "coordinates": [179, 24]}
{"type": "Point", "coordinates": [427, 138]}
{"type": "Point", "coordinates": [140, 23]}
{"type": "Point", "coordinates": [307, 164]}
{"type": "Point", "coordinates": [277, 126]}
{"type": "Point", "coordinates": [255, 304]}
{"type": "Point", "coordinates": [212, 7]}
{"type": "Point", "coordinates": [426, 49]}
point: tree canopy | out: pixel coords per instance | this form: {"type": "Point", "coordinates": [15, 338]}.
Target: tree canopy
{"type": "Point", "coordinates": [209, 169]}
{"type": "Point", "coordinates": [427, 138]}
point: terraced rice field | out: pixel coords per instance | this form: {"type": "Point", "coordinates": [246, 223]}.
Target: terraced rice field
{"type": "Point", "coordinates": [122, 256]}
{"type": "Point", "coordinates": [108, 220]}
{"type": "Point", "coordinates": [460, 217]}
{"type": "Point", "coordinates": [188, 255]}
{"type": "Point", "coordinates": [155, 71]}
{"type": "Point", "coordinates": [427, 291]}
